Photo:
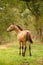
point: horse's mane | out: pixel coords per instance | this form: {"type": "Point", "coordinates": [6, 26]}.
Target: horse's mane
{"type": "Point", "coordinates": [19, 27]}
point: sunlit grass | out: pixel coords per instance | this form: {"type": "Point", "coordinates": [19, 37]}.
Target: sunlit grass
{"type": "Point", "coordinates": [10, 56]}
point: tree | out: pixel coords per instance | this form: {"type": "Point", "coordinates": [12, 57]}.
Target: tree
{"type": "Point", "coordinates": [34, 7]}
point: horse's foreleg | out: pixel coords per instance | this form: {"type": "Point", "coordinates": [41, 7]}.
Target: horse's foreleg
{"type": "Point", "coordinates": [30, 49]}
{"type": "Point", "coordinates": [19, 48]}
{"type": "Point", "coordinates": [23, 48]}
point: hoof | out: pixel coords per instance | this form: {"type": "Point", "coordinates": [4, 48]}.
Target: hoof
{"type": "Point", "coordinates": [19, 53]}
{"type": "Point", "coordinates": [23, 54]}
{"type": "Point", "coordinates": [30, 55]}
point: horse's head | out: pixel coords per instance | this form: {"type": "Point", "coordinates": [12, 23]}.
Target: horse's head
{"type": "Point", "coordinates": [14, 27]}
{"type": "Point", "coordinates": [10, 28]}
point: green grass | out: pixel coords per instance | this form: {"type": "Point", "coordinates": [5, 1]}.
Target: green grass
{"type": "Point", "coordinates": [10, 56]}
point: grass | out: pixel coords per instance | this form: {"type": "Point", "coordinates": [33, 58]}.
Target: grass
{"type": "Point", "coordinates": [10, 56]}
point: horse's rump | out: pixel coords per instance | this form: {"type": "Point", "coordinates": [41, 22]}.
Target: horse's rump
{"type": "Point", "coordinates": [28, 37]}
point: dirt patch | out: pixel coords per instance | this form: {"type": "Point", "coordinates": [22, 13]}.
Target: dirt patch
{"type": "Point", "coordinates": [40, 61]}
{"type": "Point", "coordinates": [25, 63]}
{"type": "Point", "coordinates": [5, 46]}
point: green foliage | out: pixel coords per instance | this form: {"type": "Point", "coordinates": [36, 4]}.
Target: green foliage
{"type": "Point", "coordinates": [17, 12]}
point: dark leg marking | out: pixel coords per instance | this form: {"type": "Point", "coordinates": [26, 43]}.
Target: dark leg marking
{"type": "Point", "coordinates": [23, 51]}
{"type": "Point", "coordinates": [20, 50]}
{"type": "Point", "coordinates": [29, 50]}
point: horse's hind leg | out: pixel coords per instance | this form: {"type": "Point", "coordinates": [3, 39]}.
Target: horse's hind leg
{"type": "Point", "coordinates": [23, 48]}
{"type": "Point", "coordinates": [29, 40]}
{"type": "Point", "coordinates": [29, 49]}
{"type": "Point", "coordinates": [19, 48]}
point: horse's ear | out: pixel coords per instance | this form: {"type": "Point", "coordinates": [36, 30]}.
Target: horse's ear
{"type": "Point", "coordinates": [12, 23]}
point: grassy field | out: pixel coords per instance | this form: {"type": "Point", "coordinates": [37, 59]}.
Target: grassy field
{"type": "Point", "coordinates": [9, 55]}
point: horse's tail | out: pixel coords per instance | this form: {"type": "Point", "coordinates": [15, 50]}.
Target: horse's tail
{"type": "Point", "coordinates": [29, 37]}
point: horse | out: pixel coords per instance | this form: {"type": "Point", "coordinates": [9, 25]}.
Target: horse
{"type": "Point", "coordinates": [22, 36]}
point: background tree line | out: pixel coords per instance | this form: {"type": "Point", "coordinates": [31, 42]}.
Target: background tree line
{"type": "Point", "coordinates": [26, 13]}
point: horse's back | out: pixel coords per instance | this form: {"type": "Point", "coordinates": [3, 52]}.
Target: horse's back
{"type": "Point", "coordinates": [22, 35]}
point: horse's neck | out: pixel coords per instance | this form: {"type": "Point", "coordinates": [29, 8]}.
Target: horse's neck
{"type": "Point", "coordinates": [17, 30]}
